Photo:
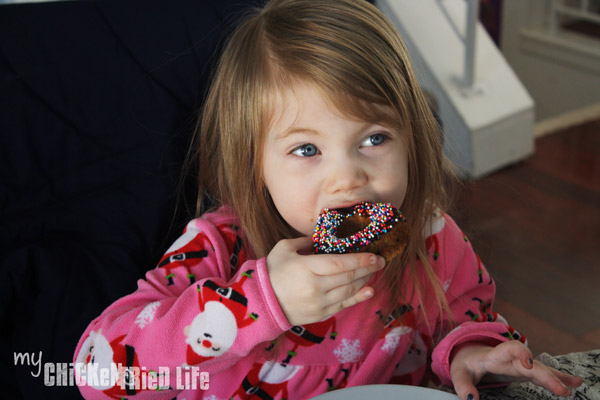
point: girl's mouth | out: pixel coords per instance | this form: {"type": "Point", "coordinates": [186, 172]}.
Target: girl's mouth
{"type": "Point", "coordinates": [347, 207]}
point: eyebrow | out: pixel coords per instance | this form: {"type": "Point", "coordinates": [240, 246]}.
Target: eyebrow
{"type": "Point", "coordinates": [296, 130]}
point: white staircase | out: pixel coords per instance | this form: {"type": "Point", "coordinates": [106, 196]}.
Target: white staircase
{"type": "Point", "coordinates": [486, 113]}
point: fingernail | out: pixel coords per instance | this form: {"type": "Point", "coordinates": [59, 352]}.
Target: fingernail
{"type": "Point", "coordinates": [380, 262]}
{"type": "Point", "coordinates": [368, 294]}
{"type": "Point", "coordinates": [470, 396]}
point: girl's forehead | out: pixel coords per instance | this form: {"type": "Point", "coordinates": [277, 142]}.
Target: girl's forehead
{"type": "Point", "coordinates": [298, 96]}
{"type": "Point", "coordinates": [289, 105]}
{"type": "Point", "coordinates": [303, 107]}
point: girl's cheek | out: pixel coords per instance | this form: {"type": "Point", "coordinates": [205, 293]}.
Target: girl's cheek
{"type": "Point", "coordinates": [380, 150]}
{"type": "Point", "coordinates": [300, 165]}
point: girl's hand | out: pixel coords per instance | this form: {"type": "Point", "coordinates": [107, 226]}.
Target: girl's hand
{"type": "Point", "coordinates": [509, 361]}
{"type": "Point", "coordinates": [313, 287]}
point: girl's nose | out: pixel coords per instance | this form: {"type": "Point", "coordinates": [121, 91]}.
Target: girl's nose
{"type": "Point", "coordinates": [345, 175]}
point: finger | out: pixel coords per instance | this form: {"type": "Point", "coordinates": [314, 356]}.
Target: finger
{"type": "Point", "coordinates": [521, 352]}
{"type": "Point", "coordinates": [333, 264]}
{"type": "Point", "coordinates": [535, 371]}
{"type": "Point", "coordinates": [329, 282]}
{"type": "Point", "coordinates": [513, 351]}
{"type": "Point", "coordinates": [346, 291]}
{"type": "Point", "coordinates": [358, 295]}
{"type": "Point", "coordinates": [568, 380]}
{"type": "Point", "coordinates": [546, 377]}
{"type": "Point", "coordinates": [463, 384]}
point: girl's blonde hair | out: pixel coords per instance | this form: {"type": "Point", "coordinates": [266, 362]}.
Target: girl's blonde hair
{"type": "Point", "coordinates": [353, 53]}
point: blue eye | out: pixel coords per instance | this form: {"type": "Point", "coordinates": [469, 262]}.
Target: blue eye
{"type": "Point", "coordinates": [306, 150]}
{"type": "Point", "coordinates": [374, 140]}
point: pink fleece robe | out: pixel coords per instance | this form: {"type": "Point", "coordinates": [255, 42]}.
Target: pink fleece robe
{"type": "Point", "coordinates": [202, 323]}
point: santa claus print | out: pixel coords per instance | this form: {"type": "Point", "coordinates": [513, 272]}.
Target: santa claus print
{"type": "Point", "coordinates": [97, 355]}
{"type": "Point", "coordinates": [400, 322]}
{"type": "Point", "coordinates": [480, 272]}
{"type": "Point", "coordinates": [235, 246]}
{"type": "Point", "coordinates": [484, 312]}
{"type": "Point", "coordinates": [223, 310]}
{"type": "Point", "coordinates": [414, 360]}
{"type": "Point", "coordinates": [513, 334]}
{"type": "Point", "coordinates": [186, 252]}
{"type": "Point", "coordinates": [403, 315]}
{"type": "Point", "coordinates": [96, 350]}
{"type": "Point", "coordinates": [310, 335]}
{"type": "Point", "coordinates": [434, 226]}
{"type": "Point", "coordinates": [266, 381]}
{"type": "Point", "coordinates": [342, 384]}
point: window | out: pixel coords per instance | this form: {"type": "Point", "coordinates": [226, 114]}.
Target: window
{"type": "Point", "coordinates": [575, 16]}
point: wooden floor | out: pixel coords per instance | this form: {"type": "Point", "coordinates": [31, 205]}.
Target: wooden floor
{"type": "Point", "coordinates": [536, 226]}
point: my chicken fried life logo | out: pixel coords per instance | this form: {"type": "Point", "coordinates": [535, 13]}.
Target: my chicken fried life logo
{"type": "Point", "coordinates": [112, 375]}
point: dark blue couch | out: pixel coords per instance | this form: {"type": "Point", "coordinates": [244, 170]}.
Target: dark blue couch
{"type": "Point", "coordinates": [97, 103]}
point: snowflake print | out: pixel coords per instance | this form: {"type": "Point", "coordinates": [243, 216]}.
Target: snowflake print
{"type": "Point", "coordinates": [348, 351]}
{"type": "Point", "coordinates": [391, 343]}
{"type": "Point", "coordinates": [147, 314]}
{"type": "Point", "coordinates": [447, 285]}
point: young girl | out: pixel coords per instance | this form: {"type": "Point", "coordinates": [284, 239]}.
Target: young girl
{"type": "Point", "coordinates": [314, 105]}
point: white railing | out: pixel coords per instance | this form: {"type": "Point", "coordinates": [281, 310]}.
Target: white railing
{"type": "Point", "coordinates": [469, 66]}
{"type": "Point", "coordinates": [468, 39]}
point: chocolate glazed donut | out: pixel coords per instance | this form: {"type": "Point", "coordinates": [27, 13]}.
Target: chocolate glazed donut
{"type": "Point", "coordinates": [377, 228]}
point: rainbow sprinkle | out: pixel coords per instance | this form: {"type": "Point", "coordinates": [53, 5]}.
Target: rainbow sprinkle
{"type": "Point", "coordinates": [382, 215]}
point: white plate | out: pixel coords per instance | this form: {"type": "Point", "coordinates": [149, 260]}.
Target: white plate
{"type": "Point", "coordinates": [385, 392]}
